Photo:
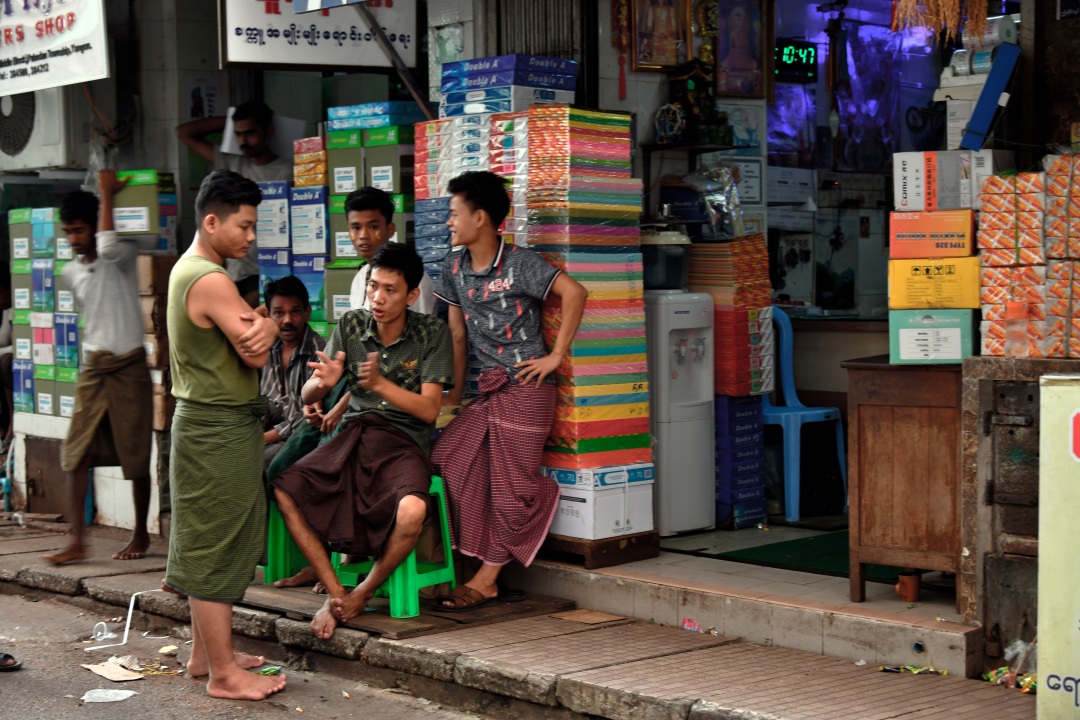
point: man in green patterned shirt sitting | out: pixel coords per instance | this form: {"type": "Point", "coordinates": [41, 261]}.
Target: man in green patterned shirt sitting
{"type": "Point", "coordinates": [365, 491]}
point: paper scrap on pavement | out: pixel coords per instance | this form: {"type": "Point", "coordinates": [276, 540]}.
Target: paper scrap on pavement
{"type": "Point", "coordinates": [107, 695]}
{"type": "Point", "coordinates": [112, 671]}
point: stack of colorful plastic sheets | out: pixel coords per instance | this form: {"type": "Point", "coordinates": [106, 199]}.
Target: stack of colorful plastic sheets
{"type": "Point", "coordinates": [583, 210]}
{"type": "Point", "coordinates": [1029, 245]}
{"type": "Point", "coordinates": [509, 158]}
{"type": "Point", "coordinates": [736, 274]}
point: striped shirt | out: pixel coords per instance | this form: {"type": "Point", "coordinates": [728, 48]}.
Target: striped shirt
{"type": "Point", "coordinates": [282, 385]}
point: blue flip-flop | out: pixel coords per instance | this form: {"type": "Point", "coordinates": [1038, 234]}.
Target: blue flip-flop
{"type": "Point", "coordinates": [8, 663]}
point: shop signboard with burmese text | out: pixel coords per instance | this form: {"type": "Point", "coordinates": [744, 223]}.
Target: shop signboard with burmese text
{"type": "Point", "coordinates": [45, 44]}
{"type": "Point", "coordinates": [329, 35]}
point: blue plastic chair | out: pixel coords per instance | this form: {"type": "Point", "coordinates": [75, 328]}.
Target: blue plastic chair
{"type": "Point", "coordinates": [792, 415]}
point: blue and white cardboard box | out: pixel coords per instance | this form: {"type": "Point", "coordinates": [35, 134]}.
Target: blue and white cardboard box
{"type": "Point", "coordinates": [386, 107]}
{"type": "Point", "coordinates": [274, 264]}
{"type": "Point", "coordinates": [601, 478]}
{"type": "Point", "coordinates": [538, 63]}
{"type": "Point", "coordinates": [525, 78]}
{"type": "Point", "coordinates": [309, 220]}
{"type": "Point", "coordinates": [525, 95]}
{"type": "Point", "coordinates": [272, 224]}
{"type": "Point", "coordinates": [311, 270]}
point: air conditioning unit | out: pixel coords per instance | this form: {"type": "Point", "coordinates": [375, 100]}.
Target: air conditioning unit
{"type": "Point", "coordinates": [45, 129]}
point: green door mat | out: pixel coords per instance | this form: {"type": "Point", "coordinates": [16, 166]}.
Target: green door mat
{"type": "Point", "coordinates": [823, 554]}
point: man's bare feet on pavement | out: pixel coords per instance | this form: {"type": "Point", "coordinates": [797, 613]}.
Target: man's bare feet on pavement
{"type": "Point", "coordinates": [135, 549]}
{"type": "Point", "coordinates": [306, 576]}
{"type": "Point", "coordinates": [68, 554]}
{"type": "Point", "coordinates": [324, 622]}
{"type": "Point", "coordinates": [351, 605]}
{"type": "Point", "coordinates": [245, 661]}
{"type": "Point", "coordinates": [237, 684]}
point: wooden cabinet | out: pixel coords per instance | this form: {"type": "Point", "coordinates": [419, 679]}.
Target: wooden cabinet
{"type": "Point", "coordinates": [904, 427]}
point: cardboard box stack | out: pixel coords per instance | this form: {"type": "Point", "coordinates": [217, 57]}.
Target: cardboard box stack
{"type": "Point", "coordinates": [509, 157]}
{"type": "Point", "coordinates": [934, 293]}
{"type": "Point", "coordinates": [582, 212]}
{"type": "Point", "coordinates": [310, 231]}
{"type": "Point", "coordinates": [47, 327]}
{"type": "Point", "coordinates": [153, 272]}
{"type": "Point", "coordinates": [506, 83]}
{"type": "Point", "coordinates": [273, 235]}
{"type": "Point", "coordinates": [740, 461]}
{"type": "Point", "coordinates": [1029, 239]}
{"type": "Point", "coordinates": [736, 274]}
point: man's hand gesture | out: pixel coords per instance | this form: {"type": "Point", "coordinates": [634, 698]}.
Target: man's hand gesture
{"type": "Point", "coordinates": [328, 372]}
{"type": "Point", "coordinates": [370, 376]}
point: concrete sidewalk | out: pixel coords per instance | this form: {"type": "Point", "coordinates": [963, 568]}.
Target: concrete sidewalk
{"type": "Point", "coordinates": [539, 667]}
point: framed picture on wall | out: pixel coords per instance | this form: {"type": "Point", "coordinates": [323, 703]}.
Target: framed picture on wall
{"type": "Point", "coordinates": [742, 47]}
{"type": "Point", "coordinates": [660, 30]}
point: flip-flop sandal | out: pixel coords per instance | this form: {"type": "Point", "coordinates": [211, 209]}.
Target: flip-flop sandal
{"type": "Point", "coordinates": [8, 663]}
{"type": "Point", "coordinates": [464, 599]}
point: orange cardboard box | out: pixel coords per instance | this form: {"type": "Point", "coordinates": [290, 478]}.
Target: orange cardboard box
{"type": "Point", "coordinates": [1029, 276]}
{"type": "Point", "coordinates": [1018, 202]}
{"type": "Point", "coordinates": [944, 233]}
{"type": "Point", "coordinates": [1010, 220]}
{"type": "Point", "coordinates": [1009, 239]}
{"type": "Point", "coordinates": [1012, 257]}
{"type": "Point", "coordinates": [1029, 182]}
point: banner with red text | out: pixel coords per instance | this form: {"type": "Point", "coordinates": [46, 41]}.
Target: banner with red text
{"type": "Point", "coordinates": [48, 43]}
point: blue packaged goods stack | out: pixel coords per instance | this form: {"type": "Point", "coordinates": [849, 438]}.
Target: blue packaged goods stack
{"type": "Point", "coordinates": [506, 83]}
{"type": "Point", "coordinates": [740, 461]}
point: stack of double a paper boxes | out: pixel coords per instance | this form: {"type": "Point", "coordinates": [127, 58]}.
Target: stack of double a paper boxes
{"type": "Point", "coordinates": [1030, 227]}
{"type": "Point", "coordinates": [272, 234]}
{"type": "Point", "coordinates": [368, 145]}
{"type": "Point", "coordinates": [46, 325]}
{"type": "Point", "coordinates": [740, 461]}
{"type": "Point", "coordinates": [933, 274]}
{"type": "Point", "coordinates": [36, 243]}
{"type": "Point", "coordinates": [582, 211]}
{"type": "Point", "coordinates": [309, 228]}
{"type": "Point", "coordinates": [506, 83]}
{"type": "Point", "coordinates": [736, 274]}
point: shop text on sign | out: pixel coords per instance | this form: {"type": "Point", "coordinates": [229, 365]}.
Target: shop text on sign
{"type": "Point", "coordinates": [261, 32]}
{"type": "Point", "coordinates": [47, 43]}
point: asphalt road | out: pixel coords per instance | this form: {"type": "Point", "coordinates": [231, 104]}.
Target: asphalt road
{"type": "Point", "coordinates": [47, 636]}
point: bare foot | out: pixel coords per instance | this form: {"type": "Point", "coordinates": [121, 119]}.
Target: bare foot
{"type": "Point", "coordinates": [324, 622]}
{"type": "Point", "coordinates": [135, 549]}
{"type": "Point", "coordinates": [69, 554]}
{"type": "Point", "coordinates": [351, 605]}
{"type": "Point", "coordinates": [319, 588]}
{"type": "Point", "coordinates": [245, 661]}
{"type": "Point", "coordinates": [238, 684]}
{"type": "Point", "coordinates": [304, 577]}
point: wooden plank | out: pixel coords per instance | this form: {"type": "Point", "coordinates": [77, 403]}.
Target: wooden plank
{"type": "Point", "coordinates": [607, 552]}
{"type": "Point", "coordinates": [301, 603]}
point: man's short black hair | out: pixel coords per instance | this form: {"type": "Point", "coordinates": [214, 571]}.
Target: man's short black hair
{"type": "Point", "coordinates": [260, 112]}
{"type": "Point", "coordinates": [403, 259]}
{"type": "Point", "coordinates": [223, 192]}
{"type": "Point", "coordinates": [369, 198]}
{"type": "Point", "coordinates": [483, 191]}
{"type": "Point", "coordinates": [79, 206]}
{"type": "Point", "coordinates": [289, 286]}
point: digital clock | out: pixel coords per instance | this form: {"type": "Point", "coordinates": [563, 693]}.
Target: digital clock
{"type": "Point", "coordinates": [795, 61]}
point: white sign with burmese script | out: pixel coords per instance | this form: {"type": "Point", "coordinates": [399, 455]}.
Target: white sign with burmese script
{"type": "Point", "coordinates": [48, 43]}
{"type": "Point", "coordinates": [268, 33]}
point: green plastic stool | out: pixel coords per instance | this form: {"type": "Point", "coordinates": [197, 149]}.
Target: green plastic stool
{"type": "Point", "coordinates": [404, 584]}
{"type": "Point", "coordinates": [283, 557]}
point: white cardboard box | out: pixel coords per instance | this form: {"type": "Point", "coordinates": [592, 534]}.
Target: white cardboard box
{"type": "Point", "coordinates": [943, 180]}
{"type": "Point", "coordinates": [595, 514]}
{"type": "Point", "coordinates": [957, 114]}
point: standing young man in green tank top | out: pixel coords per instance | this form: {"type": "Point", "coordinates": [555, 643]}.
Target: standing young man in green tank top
{"type": "Point", "coordinates": [216, 346]}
